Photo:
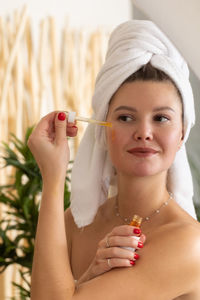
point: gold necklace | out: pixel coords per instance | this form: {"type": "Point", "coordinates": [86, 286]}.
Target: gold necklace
{"type": "Point", "coordinates": [157, 211]}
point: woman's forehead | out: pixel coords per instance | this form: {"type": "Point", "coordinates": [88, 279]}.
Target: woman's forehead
{"type": "Point", "coordinates": [140, 93]}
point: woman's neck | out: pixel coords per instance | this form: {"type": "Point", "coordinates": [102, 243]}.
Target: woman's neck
{"type": "Point", "coordinates": [141, 195]}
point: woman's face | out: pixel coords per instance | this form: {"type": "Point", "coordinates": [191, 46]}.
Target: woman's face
{"type": "Point", "coordinates": [147, 127]}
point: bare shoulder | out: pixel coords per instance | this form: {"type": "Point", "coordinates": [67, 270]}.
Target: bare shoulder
{"type": "Point", "coordinates": [188, 239]}
{"type": "Point", "coordinates": [173, 255]}
{"type": "Point", "coordinates": [188, 259]}
{"type": "Point", "coordinates": [187, 235]}
{"type": "Point", "coordinates": [177, 249]}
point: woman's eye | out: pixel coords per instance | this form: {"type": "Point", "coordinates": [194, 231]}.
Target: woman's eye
{"type": "Point", "coordinates": [125, 118]}
{"type": "Point", "coordinates": [161, 118]}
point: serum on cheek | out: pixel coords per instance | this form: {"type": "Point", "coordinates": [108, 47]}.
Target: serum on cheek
{"type": "Point", "coordinates": [113, 135]}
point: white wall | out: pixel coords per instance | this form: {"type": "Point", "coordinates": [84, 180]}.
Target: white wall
{"type": "Point", "coordinates": [89, 13]}
{"type": "Point", "coordinates": [180, 21]}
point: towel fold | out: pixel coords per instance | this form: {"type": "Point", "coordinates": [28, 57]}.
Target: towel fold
{"type": "Point", "coordinates": [132, 45]}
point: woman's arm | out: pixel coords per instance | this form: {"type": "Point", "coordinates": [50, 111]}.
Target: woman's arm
{"type": "Point", "coordinates": [51, 275]}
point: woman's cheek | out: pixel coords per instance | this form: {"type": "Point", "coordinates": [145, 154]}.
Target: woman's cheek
{"type": "Point", "coordinates": [174, 139]}
{"type": "Point", "coordinates": [115, 142]}
{"type": "Point", "coordinates": [113, 135]}
{"type": "Point", "coordinates": [111, 138]}
{"type": "Point", "coordinates": [171, 145]}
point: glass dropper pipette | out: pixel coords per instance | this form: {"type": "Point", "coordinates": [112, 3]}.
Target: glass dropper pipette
{"type": "Point", "coordinates": [72, 116]}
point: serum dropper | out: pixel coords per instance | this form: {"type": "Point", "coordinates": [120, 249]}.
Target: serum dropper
{"type": "Point", "coordinates": [72, 117]}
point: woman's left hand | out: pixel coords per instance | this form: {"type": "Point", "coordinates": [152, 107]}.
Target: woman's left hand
{"type": "Point", "coordinates": [49, 145]}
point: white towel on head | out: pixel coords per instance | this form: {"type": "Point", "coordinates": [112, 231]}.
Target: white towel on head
{"type": "Point", "coordinates": [131, 45]}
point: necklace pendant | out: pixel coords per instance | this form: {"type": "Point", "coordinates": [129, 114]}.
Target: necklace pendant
{"type": "Point", "coordinates": [157, 211]}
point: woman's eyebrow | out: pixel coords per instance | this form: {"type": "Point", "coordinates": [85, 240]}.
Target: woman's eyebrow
{"type": "Point", "coordinates": [123, 107]}
{"type": "Point", "coordinates": [163, 108]}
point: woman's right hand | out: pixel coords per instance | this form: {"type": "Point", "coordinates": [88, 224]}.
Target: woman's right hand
{"type": "Point", "coordinates": [110, 253]}
{"type": "Point", "coordinates": [49, 145]}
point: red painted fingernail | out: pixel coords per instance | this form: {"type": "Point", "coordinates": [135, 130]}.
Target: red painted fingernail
{"type": "Point", "coordinates": [136, 256]}
{"type": "Point", "coordinates": [137, 230]}
{"type": "Point", "coordinates": [140, 245]}
{"type": "Point", "coordinates": [132, 262]}
{"type": "Point", "coordinates": [74, 127]}
{"type": "Point", "coordinates": [61, 116]}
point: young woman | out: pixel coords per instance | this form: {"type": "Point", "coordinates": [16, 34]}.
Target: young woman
{"type": "Point", "coordinates": [149, 117]}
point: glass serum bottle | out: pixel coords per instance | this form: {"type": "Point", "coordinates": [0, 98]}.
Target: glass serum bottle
{"type": "Point", "coordinates": [136, 222]}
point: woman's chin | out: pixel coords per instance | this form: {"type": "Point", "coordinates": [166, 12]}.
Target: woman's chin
{"type": "Point", "coordinates": [142, 172]}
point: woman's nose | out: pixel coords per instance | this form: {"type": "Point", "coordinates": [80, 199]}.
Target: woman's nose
{"type": "Point", "coordinates": [143, 132]}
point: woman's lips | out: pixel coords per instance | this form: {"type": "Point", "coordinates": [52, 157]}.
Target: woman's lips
{"type": "Point", "coordinates": [142, 152]}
